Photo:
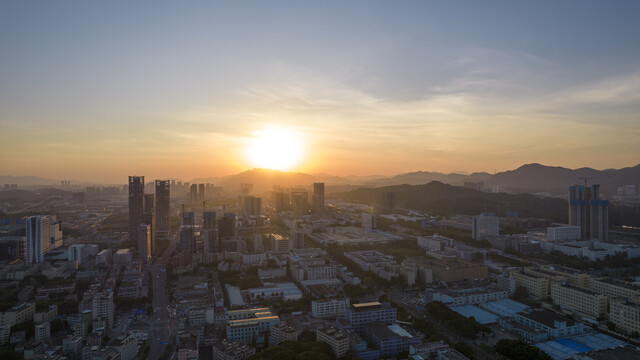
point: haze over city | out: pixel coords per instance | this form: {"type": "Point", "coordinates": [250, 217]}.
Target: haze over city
{"type": "Point", "coordinates": [97, 91]}
{"type": "Point", "coordinates": [320, 180]}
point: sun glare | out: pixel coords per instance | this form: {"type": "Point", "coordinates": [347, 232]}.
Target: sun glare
{"type": "Point", "coordinates": [275, 148]}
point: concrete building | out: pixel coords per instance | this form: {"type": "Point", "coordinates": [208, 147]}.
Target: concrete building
{"type": "Point", "coordinates": [583, 301]}
{"type": "Point", "coordinates": [317, 201]}
{"type": "Point", "coordinates": [337, 340]}
{"type": "Point", "coordinates": [232, 350]}
{"type": "Point", "coordinates": [123, 257]}
{"type": "Point", "coordinates": [47, 315]}
{"type": "Point", "coordinates": [42, 332]}
{"type": "Point", "coordinates": [18, 314]}
{"type": "Point", "coordinates": [187, 239]}
{"type": "Point", "coordinates": [103, 307]}
{"type": "Point", "coordinates": [549, 322]}
{"type": "Point", "coordinates": [38, 239]}
{"type": "Point", "coordinates": [248, 329]}
{"type": "Point", "coordinates": [280, 243]}
{"type": "Point", "coordinates": [162, 208]}
{"type": "Point", "coordinates": [625, 314]}
{"type": "Point", "coordinates": [614, 288]}
{"type": "Point", "coordinates": [281, 333]}
{"type": "Point", "coordinates": [563, 233]}
{"type": "Point", "coordinates": [588, 212]}
{"type": "Point", "coordinates": [297, 238]}
{"type": "Point", "coordinates": [144, 243]}
{"type": "Point", "coordinates": [389, 339]}
{"type": "Point", "coordinates": [360, 314]}
{"type": "Point", "coordinates": [368, 222]}
{"type": "Point", "coordinates": [483, 227]}
{"type": "Point", "coordinates": [329, 307]}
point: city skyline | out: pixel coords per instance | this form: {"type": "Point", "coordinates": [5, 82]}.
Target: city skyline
{"type": "Point", "coordinates": [97, 92]}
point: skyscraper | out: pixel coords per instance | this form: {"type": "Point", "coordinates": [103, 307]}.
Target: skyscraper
{"type": "Point", "coordinates": [38, 239]}
{"type": "Point", "coordinates": [299, 202]}
{"type": "Point", "coordinates": [209, 230]}
{"type": "Point", "coordinates": [317, 202]}
{"type": "Point", "coordinates": [136, 205]}
{"type": "Point", "coordinates": [187, 239]}
{"type": "Point", "coordinates": [144, 243]}
{"type": "Point", "coordinates": [149, 218]}
{"type": "Point", "coordinates": [188, 218]}
{"type": "Point", "coordinates": [252, 205]}
{"type": "Point", "coordinates": [194, 193]}
{"type": "Point", "coordinates": [163, 208]}
{"type": "Point", "coordinates": [201, 192]}
{"type": "Point", "coordinates": [588, 212]}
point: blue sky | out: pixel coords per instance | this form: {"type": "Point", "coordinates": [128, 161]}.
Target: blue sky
{"type": "Point", "coordinates": [95, 90]}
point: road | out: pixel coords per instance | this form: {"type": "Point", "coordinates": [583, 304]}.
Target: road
{"type": "Point", "coordinates": [161, 326]}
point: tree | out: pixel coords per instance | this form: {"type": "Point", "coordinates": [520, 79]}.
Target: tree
{"type": "Point", "coordinates": [519, 349]}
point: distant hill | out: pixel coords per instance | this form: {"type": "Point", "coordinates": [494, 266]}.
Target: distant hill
{"type": "Point", "coordinates": [438, 198]}
{"type": "Point", "coordinates": [26, 180]}
{"type": "Point", "coordinates": [423, 177]}
{"type": "Point", "coordinates": [541, 178]}
{"type": "Point", "coordinates": [264, 180]}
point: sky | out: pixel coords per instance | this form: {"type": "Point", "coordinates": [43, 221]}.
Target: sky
{"type": "Point", "coordinates": [96, 91]}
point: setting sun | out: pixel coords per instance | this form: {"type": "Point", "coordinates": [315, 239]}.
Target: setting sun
{"type": "Point", "coordinates": [275, 148]}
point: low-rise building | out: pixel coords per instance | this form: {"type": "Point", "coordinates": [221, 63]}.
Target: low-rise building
{"type": "Point", "coordinates": [329, 307]}
{"type": "Point", "coordinates": [389, 339]}
{"type": "Point", "coordinates": [42, 332]}
{"type": "Point", "coordinates": [625, 314]}
{"type": "Point", "coordinates": [281, 333]}
{"type": "Point", "coordinates": [337, 340]}
{"type": "Point", "coordinates": [549, 322]}
{"type": "Point", "coordinates": [47, 315]}
{"type": "Point", "coordinates": [18, 314]}
{"type": "Point", "coordinates": [583, 301]}
{"type": "Point", "coordinates": [232, 350]}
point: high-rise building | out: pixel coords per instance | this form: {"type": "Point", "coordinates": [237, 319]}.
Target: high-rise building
{"type": "Point", "coordinates": [194, 193]}
{"type": "Point", "coordinates": [368, 222]}
{"type": "Point", "coordinates": [281, 201]}
{"type": "Point", "coordinates": [163, 207]}
{"type": "Point", "coordinates": [38, 240]}
{"type": "Point", "coordinates": [299, 202]}
{"type": "Point", "coordinates": [227, 225]}
{"type": "Point", "coordinates": [201, 192]}
{"type": "Point", "coordinates": [187, 239]}
{"type": "Point", "coordinates": [102, 306]}
{"type": "Point", "coordinates": [188, 218]}
{"type": "Point", "coordinates": [144, 243]}
{"type": "Point", "coordinates": [252, 205]}
{"type": "Point", "coordinates": [484, 226]}
{"type": "Point", "coordinates": [209, 230]}
{"type": "Point", "coordinates": [297, 237]}
{"type": "Point", "coordinates": [149, 218]}
{"type": "Point", "coordinates": [588, 212]}
{"type": "Point", "coordinates": [136, 205]}
{"type": "Point", "coordinates": [317, 202]}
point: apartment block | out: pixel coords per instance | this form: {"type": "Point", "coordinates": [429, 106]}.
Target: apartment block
{"type": "Point", "coordinates": [583, 301]}
{"type": "Point", "coordinates": [625, 314]}
{"type": "Point", "coordinates": [336, 339]}
{"type": "Point", "coordinates": [329, 307]}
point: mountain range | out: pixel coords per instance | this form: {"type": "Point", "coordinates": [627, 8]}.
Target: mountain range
{"type": "Point", "coordinates": [529, 178]}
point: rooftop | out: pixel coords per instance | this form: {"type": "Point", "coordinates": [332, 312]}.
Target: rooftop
{"type": "Point", "coordinates": [547, 318]}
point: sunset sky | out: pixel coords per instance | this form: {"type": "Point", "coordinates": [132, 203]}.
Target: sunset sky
{"type": "Point", "coordinates": [96, 91]}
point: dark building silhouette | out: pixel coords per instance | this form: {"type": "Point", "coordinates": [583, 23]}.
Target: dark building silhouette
{"type": "Point", "coordinates": [588, 212]}
{"type": "Point", "coordinates": [187, 239]}
{"type": "Point", "coordinates": [209, 230]}
{"type": "Point", "coordinates": [317, 202]}
{"type": "Point", "coordinates": [194, 193]}
{"type": "Point", "coordinates": [188, 218]}
{"type": "Point", "coordinates": [162, 226]}
{"type": "Point", "coordinates": [148, 218]}
{"type": "Point", "coordinates": [136, 205]}
{"type": "Point", "coordinates": [252, 205]}
{"type": "Point", "coordinates": [201, 193]}
{"type": "Point", "coordinates": [281, 201]}
{"type": "Point", "coordinates": [144, 242]}
{"type": "Point", "coordinates": [227, 225]}
{"type": "Point", "coordinates": [299, 202]}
